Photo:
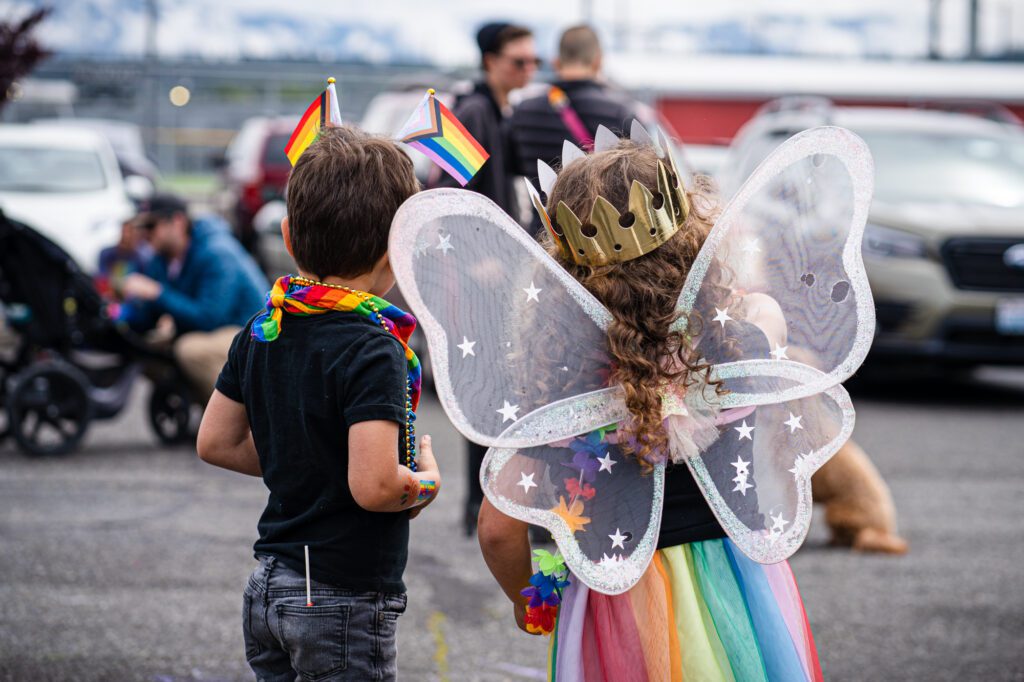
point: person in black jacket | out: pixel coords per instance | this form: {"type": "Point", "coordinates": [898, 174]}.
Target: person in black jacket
{"type": "Point", "coordinates": [508, 57]}
{"type": "Point", "coordinates": [572, 109]}
{"type": "Point", "coordinates": [509, 60]}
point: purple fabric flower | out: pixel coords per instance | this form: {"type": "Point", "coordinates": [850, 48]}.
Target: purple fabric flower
{"type": "Point", "coordinates": [585, 463]}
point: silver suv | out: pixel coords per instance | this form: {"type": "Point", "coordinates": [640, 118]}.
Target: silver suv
{"type": "Point", "coordinates": [944, 245]}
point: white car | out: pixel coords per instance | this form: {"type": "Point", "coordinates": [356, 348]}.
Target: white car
{"type": "Point", "coordinates": [66, 184]}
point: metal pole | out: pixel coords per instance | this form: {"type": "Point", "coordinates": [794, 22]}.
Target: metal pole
{"type": "Point", "coordinates": [972, 23]}
{"type": "Point", "coordinates": [150, 105]}
{"type": "Point", "coordinates": [934, 28]}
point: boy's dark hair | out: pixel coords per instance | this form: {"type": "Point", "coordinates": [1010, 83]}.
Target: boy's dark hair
{"type": "Point", "coordinates": [342, 195]}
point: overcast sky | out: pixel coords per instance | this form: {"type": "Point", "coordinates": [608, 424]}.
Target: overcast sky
{"type": "Point", "coordinates": [443, 31]}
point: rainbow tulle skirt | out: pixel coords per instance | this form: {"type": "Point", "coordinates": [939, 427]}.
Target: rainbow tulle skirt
{"type": "Point", "coordinates": [702, 612]}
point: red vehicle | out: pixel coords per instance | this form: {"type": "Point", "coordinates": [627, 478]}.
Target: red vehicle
{"type": "Point", "coordinates": [256, 171]}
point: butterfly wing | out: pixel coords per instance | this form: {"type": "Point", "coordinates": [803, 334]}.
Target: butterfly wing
{"type": "Point", "coordinates": [601, 508]}
{"type": "Point", "coordinates": [756, 475]}
{"type": "Point", "coordinates": [508, 329]}
{"type": "Point", "coordinates": [785, 254]}
{"type": "Point", "coordinates": [778, 300]}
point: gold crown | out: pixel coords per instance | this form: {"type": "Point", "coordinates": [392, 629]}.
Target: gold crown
{"type": "Point", "coordinates": [651, 218]}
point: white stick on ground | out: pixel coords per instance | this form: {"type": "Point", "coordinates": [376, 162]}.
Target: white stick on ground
{"type": "Point", "coordinates": [309, 598]}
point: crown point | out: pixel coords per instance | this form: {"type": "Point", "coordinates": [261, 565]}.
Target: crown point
{"type": "Point", "coordinates": [605, 139]}
{"type": "Point", "coordinates": [639, 134]}
{"type": "Point", "coordinates": [570, 153]}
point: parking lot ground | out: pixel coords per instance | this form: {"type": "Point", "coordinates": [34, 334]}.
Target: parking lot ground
{"type": "Point", "coordinates": [126, 560]}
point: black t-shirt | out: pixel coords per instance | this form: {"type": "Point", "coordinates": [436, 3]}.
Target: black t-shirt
{"type": "Point", "coordinates": [301, 393]}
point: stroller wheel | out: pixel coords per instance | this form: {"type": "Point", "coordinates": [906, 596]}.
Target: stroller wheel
{"type": "Point", "coordinates": [48, 408]}
{"type": "Point", "coordinates": [170, 412]}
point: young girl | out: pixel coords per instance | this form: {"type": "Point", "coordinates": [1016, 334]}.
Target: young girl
{"type": "Point", "coordinates": [702, 610]}
{"type": "Point", "coordinates": [656, 392]}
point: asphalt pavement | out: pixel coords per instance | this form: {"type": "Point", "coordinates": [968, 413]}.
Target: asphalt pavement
{"type": "Point", "coordinates": [126, 560]}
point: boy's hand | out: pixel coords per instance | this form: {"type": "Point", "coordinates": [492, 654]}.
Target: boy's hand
{"type": "Point", "coordinates": [426, 469]}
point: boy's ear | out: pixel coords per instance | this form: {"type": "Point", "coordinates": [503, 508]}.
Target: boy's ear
{"type": "Point", "coordinates": [287, 236]}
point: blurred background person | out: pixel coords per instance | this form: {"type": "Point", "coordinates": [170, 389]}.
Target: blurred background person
{"type": "Point", "coordinates": [508, 57]}
{"type": "Point", "coordinates": [131, 253]}
{"type": "Point", "coordinates": [202, 279]}
{"type": "Point", "coordinates": [575, 104]}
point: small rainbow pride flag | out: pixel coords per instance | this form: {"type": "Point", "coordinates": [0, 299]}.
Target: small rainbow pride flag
{"type": "Point", "coordinates": [313, 120]}
{"type": "Point", "coordinates": [436, 132]}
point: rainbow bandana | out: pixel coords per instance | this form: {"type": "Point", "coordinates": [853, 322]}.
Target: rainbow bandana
{"type": "Point", "coordinates": [316, 299]}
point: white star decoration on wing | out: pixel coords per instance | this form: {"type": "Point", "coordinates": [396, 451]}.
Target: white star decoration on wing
{"type": "Point", "coordinates": [780, 352]}
{"type": "Point", "coordinates": [606, 463]}
{"type": "Point", "coordinates": [741, 485]}
{"type": "Point", "coordinates": [531, 293]}
{"type": "Point", "coordinates": [508, 412]}
{"type": "Point", "coordinates": [751, 246]}
{"type": "Point", "coordinates": [526, 480]}
{"type": "Point", "coordinates": [466, 347]}
{"type": "Point", "coordinates": [722, 316]}
{"type": "Point", "coordinates": [778, 523]}
{"type": "Point", "coordinates": [793, 422]}
{"type": "Point", "coordinates": [744, 430]}
{"type": "Point", "coordinates": [800, 466]}
{"type": "Point", "coordinates": [618, 540]}
{"type": "Point", "coordinates": [742, 474]}
{"type": "Point", "coordinates": [445, 244]}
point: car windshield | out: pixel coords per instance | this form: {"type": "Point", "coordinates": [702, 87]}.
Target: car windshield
{"type": "Point", "coordinates": [933, 167]}
{"type": "Point", "coordinates": [273, 153]}
{"type": "Point", "coordinates": [45, 169]}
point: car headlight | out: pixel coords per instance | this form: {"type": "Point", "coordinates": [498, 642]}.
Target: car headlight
{"type": "Point", "coordinates": [885, 242]}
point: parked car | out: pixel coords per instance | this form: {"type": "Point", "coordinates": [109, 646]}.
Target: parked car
{"type": "Point", "coordinates": [944, 244]}
{"type": "Point", "coordinates": [125, 139]}
{"type": "Point", "coordinates": [66, 184]}
{"type": "Point", "coordinates": [256, 171]}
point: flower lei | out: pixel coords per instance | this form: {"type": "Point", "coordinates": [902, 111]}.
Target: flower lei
{"type": "Point", "coordinates": [545, 592]}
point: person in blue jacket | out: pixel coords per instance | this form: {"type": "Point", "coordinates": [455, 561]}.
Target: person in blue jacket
{"type": "Point", "coordinates": [202, 279]}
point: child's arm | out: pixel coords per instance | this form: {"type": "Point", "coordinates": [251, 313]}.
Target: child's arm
{"type": "Point", "coordinates": [377, 481]}
{"type": "Point", "coordinates": [766, 313]}
{"type": "Point", "coordinates": [224, 437]}
{"type": "Point", "coordinates": [505, 543]}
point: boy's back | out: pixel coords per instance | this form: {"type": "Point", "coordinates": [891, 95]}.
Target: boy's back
{"type": "Point", "coordinates": [302, 393]}
{"type": "Point", "coordinates": [318, 397]}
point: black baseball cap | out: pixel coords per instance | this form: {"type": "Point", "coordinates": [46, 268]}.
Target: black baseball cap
{"type": "Point", "coordinates": [159, 206]}
{"type": "Point", "coordinates": [487, 36]}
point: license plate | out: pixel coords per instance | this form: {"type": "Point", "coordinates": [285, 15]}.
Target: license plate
{"type": "Point", "coordinates": [1010, 316]}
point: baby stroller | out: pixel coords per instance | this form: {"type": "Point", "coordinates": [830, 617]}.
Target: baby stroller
{"type": "Point", "coordinates": [67, 362]}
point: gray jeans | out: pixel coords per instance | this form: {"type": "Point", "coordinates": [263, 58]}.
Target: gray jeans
{"type": "Point", "coordinates": [345, 635]}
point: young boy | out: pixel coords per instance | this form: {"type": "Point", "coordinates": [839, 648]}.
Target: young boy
{"type": "Point", "coordinates": [318, 403]}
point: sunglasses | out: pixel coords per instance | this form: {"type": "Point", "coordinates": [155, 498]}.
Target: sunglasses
{"type": "Point", "coordinates": [522, 62]}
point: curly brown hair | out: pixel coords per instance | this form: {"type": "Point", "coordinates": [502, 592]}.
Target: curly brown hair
{"type": "Point", "coordinates": [641, 293]}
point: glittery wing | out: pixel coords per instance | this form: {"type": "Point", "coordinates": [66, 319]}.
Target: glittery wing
{"type": "Point", "coordinates": [785, 254]}
{"type": "Point", "coordinates": [756, 472]}
{"type": "Point", "coordinates": [778, 300]}
{"type": "Point", "coordinates": [508, 329]}
{"type": "Point", "coordinates": [601, 508]}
